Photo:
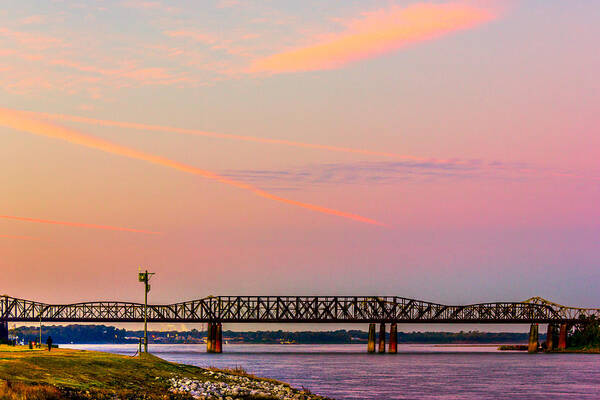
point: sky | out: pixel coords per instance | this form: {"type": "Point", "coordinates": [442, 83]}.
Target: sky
{"type": "Point", "coordinates": [439, 150]}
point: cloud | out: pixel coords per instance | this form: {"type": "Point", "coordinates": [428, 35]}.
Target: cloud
{"type": "Point", "coordinates": [33, 41]}
{"type": "Point", "coordinates": [394, 172]}
{"type": "Point", "coordinates": [197, 132]}
{"type": "Point", "coordinates": [414, 161]}
{"type": "Point", "coordinates": [32, 20]}
{"type": "Point", "coordinates": [23, 121]}
{"type": "Point", "coordinates": [233, 47]}
{"type": "Point", "coordinates": [148, 6]}
{"type": "Point", "coordinates": [77, 224]}
{"type": "Point", "coordinates": [196, 36]}
{"type": "Point", "coordinates": [228, 3]}
{"type": "Point", "coordinates": [368, 172]}
{"type": "Point", "coordinates": [376, 33]}
{"type": "Point", "coordinates": [404, 164]}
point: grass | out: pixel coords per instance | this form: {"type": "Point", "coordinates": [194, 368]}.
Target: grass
{"type": "Point", "coordinates": [79, 374]}
{"type": "Point", "coordinates": [20, 391]}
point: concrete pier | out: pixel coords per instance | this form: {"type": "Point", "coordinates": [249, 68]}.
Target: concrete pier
{"type": "Point", "coordinates": [371, 343]}
{"type": "Point", "coordinates": [210, 338]}
{"type": "Point", "coordinates": [533, 339]}
{"type": "Point", "coordinates": [562, 337]}
{"type": "Point", "coordinates": [393, 346]}
{"type": "Point", "coordinates": [3, 331]}
{"type": "Point", "coordinates": [550, 340]}
{"type": "Point", "coordinates": [382, 338]}
{"type": "Point", "coordinates": [218, 348]}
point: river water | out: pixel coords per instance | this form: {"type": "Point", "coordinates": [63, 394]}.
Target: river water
{"type": "Point", "coordinates": [346, 372]}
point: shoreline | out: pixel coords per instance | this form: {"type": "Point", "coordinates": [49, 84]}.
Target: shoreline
{"type": "Point", "coordinates": [524, 348]}
{"type": "Point", "coordinates": [84, 374]}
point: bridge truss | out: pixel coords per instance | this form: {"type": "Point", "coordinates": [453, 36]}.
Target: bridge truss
{"type": "Point", "coordinates": [282, 309]}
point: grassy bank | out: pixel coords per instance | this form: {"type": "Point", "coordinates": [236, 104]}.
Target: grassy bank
{"type": "Point", "coordinates": [589, 350]}
{"type": "Point", "coordinates": [524, 347]}
{"type": "Point", "coordinates": [76, 374]}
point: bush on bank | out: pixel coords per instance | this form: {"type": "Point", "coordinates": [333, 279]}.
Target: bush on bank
{"type": "Point", "coordinates": [586, 334]}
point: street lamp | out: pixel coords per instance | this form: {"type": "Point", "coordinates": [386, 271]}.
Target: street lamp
{"type": "Point", "coordinates": [145, 277]}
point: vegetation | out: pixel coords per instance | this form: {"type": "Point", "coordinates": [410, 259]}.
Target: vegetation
{"type": "Point", "coordinates": [586, 335]}
{"type": "Point", "coordinates": [74, 374]}
{"type": "Point", "coordinates": [18, 391]}
{"type": "Point", "coordinates": [98, 334]}
{"type": "Point", "coordinates": [519, 347]}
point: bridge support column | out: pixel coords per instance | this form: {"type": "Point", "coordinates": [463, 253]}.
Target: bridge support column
{"type": "Point", "coordinates": [550, 341]}
{"type": "Point", "coordinates": [3, 331]}
{"type": "Point", "coordinates": [371, 343]}
{"type": "Point", "coordinates": [393, 346]}
{"type": "Point", "coordinates": [533, 339]}
{"type": "Point", "coordinates": [218, 338]}
{"type": "Point", "coordinates": [562, 337]}
{"type": "Point", "coordinates": [382, 338]}
{"type": "Point", "coordinates": [209, 338]}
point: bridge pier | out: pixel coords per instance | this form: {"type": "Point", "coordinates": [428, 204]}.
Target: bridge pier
{"type": "Point", "coordinates": [218, 338]}
{"type": "Point", "coordinates": [371, 342]}
{"type": "Point", "coordinates": [3, 331]}
{"type": "Point", "coordinates": [214, 338]}
{"type": "Point", "coordinates": [550, 340]}
{"type": "Point", "coordinates": [382, 338]}
{"type": "Point", "coordinates": [562, 337]}
{"type": "Point", "coordinates": [533, 339]}
{"type": "Point", "coordinates": [393, 346]}
{"type": "Point", "coordinates": [209, 338]}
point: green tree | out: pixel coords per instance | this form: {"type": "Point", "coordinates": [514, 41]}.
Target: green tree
{"type": "Point", "coordinates": [587, 333]}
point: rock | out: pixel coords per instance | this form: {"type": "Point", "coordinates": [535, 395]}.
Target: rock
{"type": "Point", "coordinates": [237, 388]}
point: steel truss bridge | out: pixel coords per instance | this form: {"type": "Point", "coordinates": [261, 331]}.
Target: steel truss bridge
{"type": "Point", "coordinates": [298, 309]}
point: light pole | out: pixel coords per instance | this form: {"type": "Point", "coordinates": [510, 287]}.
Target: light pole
{"type": "Point", "coordinates": [145, 277]}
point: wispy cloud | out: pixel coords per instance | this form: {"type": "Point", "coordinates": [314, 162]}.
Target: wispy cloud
{"type": "Point", "coordinates": [374, 34]}
{"type": "Point", "coordinates": [194, 35]}
{"type": "Point", "coordinates": [149, 6]}
{"type": "Point", "coordinates": [24, 122]}
{"type": "Point", "coordinates": [405, 163]}
{"type": "Point", "coordinates": [168, 47]}
{"type": "Point", "coordinates": [33, 41]}
{"type": "Point", "coordinates": [394, 172]}
{"type": "Point", "coordinates": [197, 132]}
{"type": "Point", "coordinates": [32, 20]}
{"type": "Point", "coordinates": [372, 172]}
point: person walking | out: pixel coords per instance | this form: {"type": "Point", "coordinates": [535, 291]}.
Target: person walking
{"type": "Point", "coordinates": [49, 343]}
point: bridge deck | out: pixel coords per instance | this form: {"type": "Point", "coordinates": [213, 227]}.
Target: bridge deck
{"type": "Point", "coordinates": [287, 309]}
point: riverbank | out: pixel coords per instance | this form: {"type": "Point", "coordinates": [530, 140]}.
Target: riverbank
{"type": "Point", "coordinates": [585, 350]}
{"type": "Point", "coordinates": [79, 374]}
{"type": "Point", "coordinates": [524, 347]}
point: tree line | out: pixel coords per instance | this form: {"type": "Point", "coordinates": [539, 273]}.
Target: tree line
{"type": "Point", "coordinates": [102, 334]}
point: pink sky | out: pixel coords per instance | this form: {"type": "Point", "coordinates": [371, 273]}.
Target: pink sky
{"type": "Point", "coordinates": [443, 150]}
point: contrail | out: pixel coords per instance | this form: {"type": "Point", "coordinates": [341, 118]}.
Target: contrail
{"type": "Point", "coordinates": [456, 162]}
{"type": "Point", "coordinates": [77, 224]}
{"type": "Point", "coordinates": [159, 128]}
{"type": "Point", "coordinates": [24, 122]}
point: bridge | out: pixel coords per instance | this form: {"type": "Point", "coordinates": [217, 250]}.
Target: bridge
{"type": "Point", "coordinates": [216, 310]}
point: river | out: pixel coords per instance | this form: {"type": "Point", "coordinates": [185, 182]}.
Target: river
{"type": "Point", "coordinates": [346, 372]}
